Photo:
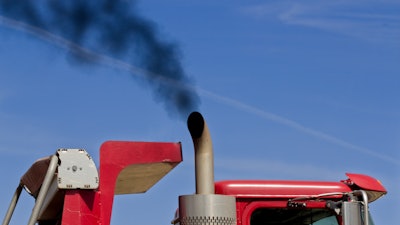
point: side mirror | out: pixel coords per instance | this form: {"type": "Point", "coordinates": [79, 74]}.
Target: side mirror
{"type": "Point", "coordinates": [353, 213]}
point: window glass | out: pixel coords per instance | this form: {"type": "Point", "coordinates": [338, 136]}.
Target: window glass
{"type": "Point", "coordinates": [371, 221]}
{"type": "Point", "coordinates": [289, 216]}
{"type": "Point", "coordinates": [330, 220]}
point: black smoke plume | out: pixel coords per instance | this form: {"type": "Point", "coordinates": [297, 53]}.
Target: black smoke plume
{"type": "Point", "coordinates": [113, 28]}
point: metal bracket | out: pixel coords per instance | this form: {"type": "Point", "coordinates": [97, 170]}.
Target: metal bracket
{"type": "Point", "coordinates": [293, 204]}
{"type": "Point", "coordinates": [76, 170]}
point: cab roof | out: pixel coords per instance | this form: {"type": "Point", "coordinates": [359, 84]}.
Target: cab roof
{"type": "Point", "coordinates": [286, 189]}
{"type": "Point", "coordinates": [278, 188]}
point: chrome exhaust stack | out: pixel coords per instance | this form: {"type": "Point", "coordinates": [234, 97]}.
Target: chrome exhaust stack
{"type": "Point", "coordinates": [204, 207]}
{"type": "Point", "coordinates": [204, 155]}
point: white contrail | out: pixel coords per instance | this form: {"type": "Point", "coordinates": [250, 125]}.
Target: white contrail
{"type": "Point", "coordinates": [119, 64]}
{"type": "Point", "coordinates": [297, 126]}
{"type": "Point", "coordinates": [71, 46]}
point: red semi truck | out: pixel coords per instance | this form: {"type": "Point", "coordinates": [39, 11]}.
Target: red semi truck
{"type": "Point", "coordinates": [70, 190]}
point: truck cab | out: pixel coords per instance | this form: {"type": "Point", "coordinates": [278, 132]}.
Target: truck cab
{"type": "Point", "coordinates": [263, 202]}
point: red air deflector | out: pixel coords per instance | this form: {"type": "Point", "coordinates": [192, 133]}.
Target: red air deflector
{"type": "Point", "coordinates": [370, 185]}
{"type": "Point", "coordinates": [125, 167]}
{"type": "Point", "coordinates": [134, 167]}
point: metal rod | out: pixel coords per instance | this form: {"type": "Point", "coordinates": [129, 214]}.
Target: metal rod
{"type": "Point", "coordinates": [12, 206]}
{"type": "Point", "coordinates": [365, 201]}
{"type": "Point", "coordinates": [43, 190]}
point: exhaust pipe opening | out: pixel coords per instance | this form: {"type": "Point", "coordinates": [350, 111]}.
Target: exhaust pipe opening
{"type": "Point", "coordinates": [195, 124]}
{"type": "Point", "coordinates": [204, 156]}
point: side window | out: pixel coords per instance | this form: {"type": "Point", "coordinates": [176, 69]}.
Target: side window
{"type": "Point", "coordinates": [330, 220]}
{"type": "Point", "coordinates": [290, 216]}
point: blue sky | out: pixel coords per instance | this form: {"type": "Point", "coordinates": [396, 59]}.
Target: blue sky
{"type": "Point", "coordinates": [290, 90]}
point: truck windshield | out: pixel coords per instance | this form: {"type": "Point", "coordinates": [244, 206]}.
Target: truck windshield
{"type": "Point", "coordinates": [289, 216]}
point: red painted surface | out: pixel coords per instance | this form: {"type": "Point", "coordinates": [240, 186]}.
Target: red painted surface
{"type": "Point", "coordinates": [277, 189]}
{"type": "Point", "coordinates": [365, 182]}
{"type": "Point", "coordinates": [81, 207]}
{"type": "Point", "coordinates": [253, 194]}
{"type": "Point", "coordinates": [292, 189]}
{"type": "Point", "coordinates": [93, 207]}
